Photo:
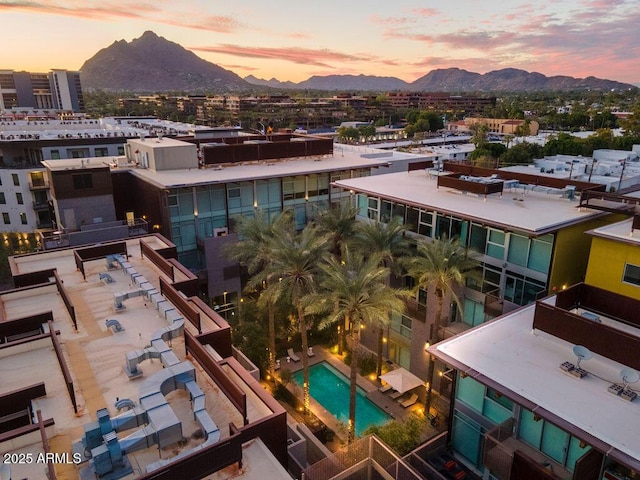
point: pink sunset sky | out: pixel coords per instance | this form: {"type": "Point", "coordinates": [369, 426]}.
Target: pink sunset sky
{"type": "Point", "coordinates": [295, 40]}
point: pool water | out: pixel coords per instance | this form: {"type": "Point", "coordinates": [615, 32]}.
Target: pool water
{"type": "Point", "coordinates": [331, 390]}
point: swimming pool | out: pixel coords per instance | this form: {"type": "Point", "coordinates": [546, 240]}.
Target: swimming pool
{"type": "Point", "coordinates": [331, 390]}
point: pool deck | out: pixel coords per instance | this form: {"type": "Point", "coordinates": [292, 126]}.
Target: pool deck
{"type": "Point", "coordinates": [382, 400]}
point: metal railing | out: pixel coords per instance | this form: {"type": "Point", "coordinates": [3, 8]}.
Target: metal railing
{"type": "Point", "coordinates": [369, 457]}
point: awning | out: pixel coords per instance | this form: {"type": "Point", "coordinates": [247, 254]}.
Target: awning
{"type": "Point", "coordinates": [401, 380]}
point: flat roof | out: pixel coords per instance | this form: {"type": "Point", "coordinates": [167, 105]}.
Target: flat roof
{"type": "Point", "coordinates": [510, 353]}
{"type": "Point", "coordinates": [95, 354]}
{"type": "Point", "coordinates": [341, 159]}
{"type": "Point", "coordinates": [620, 231]}
{"type": "Point", "coordinates": [531, 211]}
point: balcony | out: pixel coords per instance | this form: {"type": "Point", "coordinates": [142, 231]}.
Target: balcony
{"type": "Point", "coordinates": [501, 448]}
{"type": "Point", "coordinates": [33, 186]}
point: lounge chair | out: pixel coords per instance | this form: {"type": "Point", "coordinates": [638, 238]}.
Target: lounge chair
{"type": "Point", "coordinates": [292, 355]}
{"type": "Point", "coordinates": [396, 395]}
{"type": "Point", "coordinates": [385, 388]}
{"type": "Point", "coordinates": [410, 401]}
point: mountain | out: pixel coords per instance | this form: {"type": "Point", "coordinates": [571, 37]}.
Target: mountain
{"type": "Point", "coordinates": [507, 79]}
{"type": "Point", "coordinates": [153, 64]}
{"type": "Point", "coordinates": [273, 83]}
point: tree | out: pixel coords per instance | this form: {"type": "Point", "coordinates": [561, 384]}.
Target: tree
{"type": "Point", "coordinates": [631, 124]}
{"type": "Point", "coordinates": [388, 242]}
{"type": "Point", "coordinates": [446, 266]}
{"type": "Point", "coordinates": [367, 132]}
{"type": "Point", "coordinates": [339, 222]}
{"type": "Point", "coordinates": [354, 291]}
{"type": "Point", "coordinates": [293, 261]}
{"type": "Point", "coordinates": [479, 132]}
{"type": "Point", "coordinates": [254, 251]}
{"type": "Point", "coordinates": [522, 153]}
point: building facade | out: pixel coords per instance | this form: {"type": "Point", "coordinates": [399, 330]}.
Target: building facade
{"type": "Point", "coordinates": [528, 403]}
{"type": "Point", "coordinates": [56, 90]}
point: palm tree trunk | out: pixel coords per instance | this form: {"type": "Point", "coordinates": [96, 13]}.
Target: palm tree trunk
{"type": "Point", "coordinates": [353, 378]}
{"type": "Point", "coordinates": [434, 339]}
{"type": "Point", "coordinates": [305, 358]}
{"type": "Point", "coordinates": [379, 360]}
{"type": "Point", "coordinates": [271, 313]}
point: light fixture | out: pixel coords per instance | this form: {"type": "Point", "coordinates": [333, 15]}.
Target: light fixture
{"type": "Point", "coordinates": [426, 346]}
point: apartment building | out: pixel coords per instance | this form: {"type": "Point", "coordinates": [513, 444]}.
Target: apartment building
{"type": "Point", "coordinates": [526, 231]}
{"type": "Point", "coordinates": [141, 378]}
{"type": "Point", "coordinates": [548, 391]}
{"type": "Point", "coordinates": [56, 90]}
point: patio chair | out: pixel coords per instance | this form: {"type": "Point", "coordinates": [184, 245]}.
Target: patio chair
{"type": "Point", "coordinates": [292, 355]}
{"type": "Point", "coordinates": [396, 395]}
{"type": "Point", "coordinates": [410, 401]}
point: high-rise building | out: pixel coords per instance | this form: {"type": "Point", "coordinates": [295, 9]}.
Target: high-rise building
{"type": "Point", "coordinates": [56, 90]}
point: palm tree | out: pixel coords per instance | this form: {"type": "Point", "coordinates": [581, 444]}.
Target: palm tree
{"type": "Point", "coordinates": [354, 291]}
{"type": "Point", "coordinates": [388, 241]}
{"type": "Point", "coordinates": [340, 224]}
{"type": "Point", "coordinates": [446, 266]}
{"type": "Point", "coordinates": [293, 267]}
{"type": "Point", "coordinates": [254, 251]}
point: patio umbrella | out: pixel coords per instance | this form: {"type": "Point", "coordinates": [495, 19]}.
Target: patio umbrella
{"type": "Point", "coordinates": [401, 380]}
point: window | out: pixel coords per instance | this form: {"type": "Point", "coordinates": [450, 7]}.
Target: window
{"type": "Point", "coordinates": [5, 218]}
{"type": "Point", "coordinates": [55, 154]}
{"type": "Point", "coordinates": [3, 200]}
{"type": "Point", "coordinates": [550, 440]}
{"type": "Point", "coordinates": [16, 180]}
{"type": "Point", "coordinates": [631, 274]}
{"type": "Point", "coordinates": [19, 198]}
{"type": "Point", "coordinates": [37, 179]}
{"type": "Point", "coordinates": [120, 150]}
{"type": "Point", "coordinates": [23, 218]}
{"type": "Point", "coordinates": [82, 181]}
{"type": "Point", "coordinates": [495, 244]}
{"type": "Point", "coordinates": [101, 152]}
{"type": "Point", "coordinates": [426, 222]}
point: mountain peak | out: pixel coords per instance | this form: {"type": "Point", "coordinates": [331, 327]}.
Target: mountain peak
{"type": "Point", "coordinates": [152, 63]}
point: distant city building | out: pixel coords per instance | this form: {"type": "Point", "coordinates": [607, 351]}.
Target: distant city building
{"type": "Point", "coordinates": [502, 126]}
{"type": "Point", "coordinates": [56, 90]}
{"type": "Point", "coordinates": [445, 102]}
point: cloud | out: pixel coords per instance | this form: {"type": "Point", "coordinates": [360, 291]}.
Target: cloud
{"type": "Point", "coordinates": [425, 12]}
{"type": "Point", "coordinates": [127, 9]}
{"type": "Point", "coordinates": [302, 56]}
{"type": "Point", "coordinates": [391, 20]}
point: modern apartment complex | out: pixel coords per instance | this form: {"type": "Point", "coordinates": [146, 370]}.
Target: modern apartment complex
{"type": "Point", "coordinates": [549, 391]}
{"type": "Point", "coordinates": [56, 90]}
{"type": "Point", "coordinates": [141, 377]}
{"type": "Point", "coordinates": [526, 231]}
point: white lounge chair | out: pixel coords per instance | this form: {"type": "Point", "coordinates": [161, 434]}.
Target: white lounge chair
{"type": "Point", "coordinates": [292, 355]}
{"type": "Point", "coordinates": [385, 388]}
{"type": "Point", "coordinates": [410, 401]}
{"type": "Point", "coordinates": [396, 395]}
